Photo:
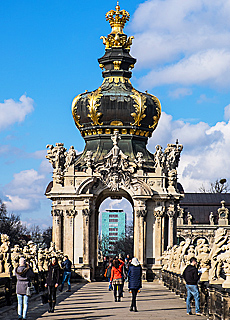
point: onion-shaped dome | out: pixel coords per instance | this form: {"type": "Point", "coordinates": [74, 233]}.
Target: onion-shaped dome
{"type": "Point", "coordinates": [116, 104]}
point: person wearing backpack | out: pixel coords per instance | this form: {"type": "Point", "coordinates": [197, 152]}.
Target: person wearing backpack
{"type": "Point", "coordinates": [66, 265]}
{"type": "Point", "coordinates": [108, 274]}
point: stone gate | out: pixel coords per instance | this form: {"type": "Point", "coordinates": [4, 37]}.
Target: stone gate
{"type": "Point", "coordinates": [115, 121]}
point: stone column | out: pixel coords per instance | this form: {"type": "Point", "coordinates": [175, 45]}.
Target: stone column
{"type": "Point", "coordinates": [86, 236]}
{"type": "Point", "coordinates": [141, 214]}
{"type": "Point", "coordinates": [171, 225]}
{"type": "Point", "coordinates": [69, 233]}
{"type": "Point", "coordinates": [158, 213]}
{"type": "Point", "coordinates": [136, 234]}
{"type": "Point", "coordinates": [57, 228]}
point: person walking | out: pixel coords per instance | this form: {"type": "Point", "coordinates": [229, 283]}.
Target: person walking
{"type": "Point", "coordinates": [135, 281]}
{"type": "Point", "coordinates": [116, 278]}
{"type": "Point", "coordinates": [23, 274]}
{"type": "Point", "coordinates": [108, 274]}
{"type": "Point", "coordinates": [52, 282]}
{"type": "Point", "coordinates": [66, 265]}
{"type": "Point", "coordinates": [191, 277]}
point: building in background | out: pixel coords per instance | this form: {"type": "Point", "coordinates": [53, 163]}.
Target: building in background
{"type": "Point", "coordinates": [113, 226]}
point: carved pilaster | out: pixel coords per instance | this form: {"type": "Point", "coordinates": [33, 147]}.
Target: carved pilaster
{"type": "Point", "coordinates": [68, 232]}
{"type": "Point", "coordinates": [57, 227]}
{"type": "Point", "coordinates": [86, 213]}
{"type": "Point", "coordinates": [172, 225]}
{"type": "Point", "coordinates": [139, 230]}
{"type": "Point", "coordinates": [159, 214]}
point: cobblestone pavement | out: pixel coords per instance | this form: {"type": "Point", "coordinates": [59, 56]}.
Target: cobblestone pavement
{"type": "Point", "coordinates": [93, 301]}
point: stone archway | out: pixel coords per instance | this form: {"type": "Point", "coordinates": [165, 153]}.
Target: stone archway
{"type": "Point", "coordinates": [115, 121]}
{"type": "Point", "coordinates": [76, 201]}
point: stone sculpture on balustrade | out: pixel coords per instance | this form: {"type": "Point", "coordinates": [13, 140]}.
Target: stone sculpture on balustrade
{"type": "Point", "coordinates": [214, 258]}
{"type": "Point", "coordinates": [38, 258]}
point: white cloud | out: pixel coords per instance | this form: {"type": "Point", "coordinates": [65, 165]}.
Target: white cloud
{"type": "Point", "coordinates": [206, 153]}
{"type": "Point", "coordinates": [12, 112]}
{"type": "Point", "coordinates": [180, 92]}
{"type": "Point", "coordinates": [183, 42]}
{"type": "Point", "coordinates": [227, 112]}
{"type": "Point", "coordinates": [25, 191]}
{"type": "Point", "coordinates": [209, 67]}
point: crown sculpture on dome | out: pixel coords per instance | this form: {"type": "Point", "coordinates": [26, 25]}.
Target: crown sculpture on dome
{"type": "Point", "coordinates": [117, 20]}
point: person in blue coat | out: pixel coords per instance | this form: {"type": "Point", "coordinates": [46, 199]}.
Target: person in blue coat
{"type": "Point", "coordinates": [135, 283]}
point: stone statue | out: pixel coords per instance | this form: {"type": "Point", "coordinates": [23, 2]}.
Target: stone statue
{"type": "Point", "coordinates": [16, 252]}
{"type": "Point", "coordinates": [158, 156]}
{"type": "Point", "coordinates": [5, 257]}
{"type": "Point", "coordinates": [219, 241]}
{"type": "Point", "coordinates": [189, 218]}
{"type": "Point", "coordinates": [139, 160]}
{"type": "Point", "coordinates": [32, 247]}
{"type": "Point", "coordinates": [70, 157]}
{"type": "Point", "coordinates": [89, 159]}
{"type": "Point", "coordinates": [56, 155]}
{"type": "Point", "coordinates": [41, 259]}
{"type": "Point", "coordinates": [202, 252]}
{"type": "Point", "coordinates": [211, 219]}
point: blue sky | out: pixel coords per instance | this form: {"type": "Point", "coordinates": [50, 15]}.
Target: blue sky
{"type": "Point", "coordinates": [49, 52]}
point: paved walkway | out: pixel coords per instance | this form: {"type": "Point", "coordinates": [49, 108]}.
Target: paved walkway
{"type": "Point", "coordinates": [93, 301]}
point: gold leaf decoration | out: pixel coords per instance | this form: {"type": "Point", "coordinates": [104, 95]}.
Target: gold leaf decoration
{"type": "Point", "coordinates": [74, 111]}
{"type": "Point", "coordinates": [93, 100]}
{"type": "Point", "coordinates": [139, 106]}
{"type": "Point", "coordinates": [158, 110]}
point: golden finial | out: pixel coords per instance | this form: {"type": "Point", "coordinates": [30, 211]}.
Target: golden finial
{"type": "Point", "coordinates": [117, 19]}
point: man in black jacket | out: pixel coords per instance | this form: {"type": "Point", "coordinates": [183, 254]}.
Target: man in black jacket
{"type": "Point", "coordinates": [191, 277]}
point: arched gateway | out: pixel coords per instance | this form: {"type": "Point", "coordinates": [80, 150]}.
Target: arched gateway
{"type": "Point", "coordinates": [116, 121]}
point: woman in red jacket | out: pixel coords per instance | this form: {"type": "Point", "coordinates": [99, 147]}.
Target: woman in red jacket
{"type": "Point", "coordinates": [116, 278]}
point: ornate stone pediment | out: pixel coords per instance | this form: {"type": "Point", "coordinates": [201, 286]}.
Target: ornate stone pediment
{"type": "Point", "coordinates": [116, 170]}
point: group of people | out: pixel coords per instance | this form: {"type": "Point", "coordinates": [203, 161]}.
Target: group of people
{"type": "Point", "coordinates": [25, 274]}
{"type": "Point", "coordinates": [119, 271]}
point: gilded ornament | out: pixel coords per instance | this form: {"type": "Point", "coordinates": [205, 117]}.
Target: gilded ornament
{"type": "Point", "coordinates": [117, 65]}
{"type": "Point", "coordinates": [74, 110]}
{"type": "Point", "coordinates": [117, 19]}
{"type": "Point", "coordinates": [101, 66]}
{"type": "Point", "coordinates": [117, 38]}
{"type": "Point", "coordinates": [139, 106]}
{"type": "Point", "coordinates": [99, 131]}
{"type": "Point", "coordinates": [107, 131]}
{"type": "Point", "coordinates": [116, 123]}
{"type": "Point", "coordinates": [93, 105]}
{"type": "Point", "coordinates": [124, 131]}
{"type": "Point", "coordinates": [158, 110]}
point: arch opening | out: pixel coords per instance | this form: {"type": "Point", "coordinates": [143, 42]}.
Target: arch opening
{"type": "Point", "coordinates": [113, 222]}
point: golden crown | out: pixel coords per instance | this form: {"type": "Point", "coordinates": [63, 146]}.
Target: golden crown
{"type": "Point", "coordinates": [117, 19]}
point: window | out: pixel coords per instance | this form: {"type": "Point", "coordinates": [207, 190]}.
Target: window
{"type": "Point", "coordinates": [113, 215]}
{"type": "Point", "coordinates": [113, 220]}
